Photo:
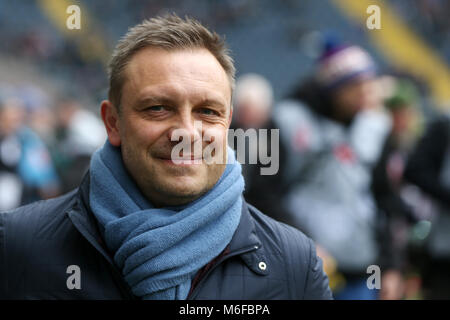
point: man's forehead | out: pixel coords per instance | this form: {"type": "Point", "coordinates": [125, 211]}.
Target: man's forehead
{"type": "Point", "coordinates": [191, 67]}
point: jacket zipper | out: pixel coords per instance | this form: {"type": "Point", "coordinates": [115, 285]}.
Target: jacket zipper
{"type": "Point", "coordinates": [214, 266]}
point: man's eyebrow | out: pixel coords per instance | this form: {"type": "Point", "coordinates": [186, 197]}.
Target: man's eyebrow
{"type": "Point", "coordinates": [166, 100]}
{"type": "Point", "coordinates": [154, 100]}
{"type": "Point", "coordinates": [211, 102]}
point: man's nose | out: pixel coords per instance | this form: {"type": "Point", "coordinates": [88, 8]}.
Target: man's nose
{"type": "Point", "coordinates": [185, 127]}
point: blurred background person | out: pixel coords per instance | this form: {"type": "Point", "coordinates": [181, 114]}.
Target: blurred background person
{"type": "Point", "coordinates": [336, 128]}
{"type": "Point", "coordinates": [252, 102]}
{"type": "Point", "coordinates": [429, 169]}
{"type": "Point", "coordinates": [11, 186]}
{"type": "Point", "coordinates": [78, 133]}
{"type": "Point", "coordinates": [252, 111]}
{"type": "Point", "coordinates": [388, 185]}
{"type": "Point", "coordinates": [26, 168]}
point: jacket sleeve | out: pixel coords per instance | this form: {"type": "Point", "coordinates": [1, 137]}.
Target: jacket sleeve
{"type": "Point", "coordinates": [317, 286]}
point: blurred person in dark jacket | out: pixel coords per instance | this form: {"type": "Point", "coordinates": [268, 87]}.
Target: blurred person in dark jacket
{"type": "Point", "coordinates": [388, 185]}
{"type": "Point", "coordinates": [335, 126]}
{"type": "Point", "coordinates": [429, 168]}
{"type": "Point", "coordinates": [252, 103]}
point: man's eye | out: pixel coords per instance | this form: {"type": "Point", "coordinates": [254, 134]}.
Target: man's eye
{"type": "Point", "coordinates": [208, 112]}
{"type": "Point", "coordinates": [156, 108]}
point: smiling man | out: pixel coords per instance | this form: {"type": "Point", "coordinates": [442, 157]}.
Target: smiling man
{"type": "Point", "coordinates": [144, 226]}
{"type": "Point", "coordinates": [168, 91]}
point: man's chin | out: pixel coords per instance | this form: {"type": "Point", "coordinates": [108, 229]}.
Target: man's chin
{"type": "Point", "coordinates": [182, 196]}
{"type": "Point", "coordinates": [181, 181]}
{"type": "Point", "coordinates": [180, 169]}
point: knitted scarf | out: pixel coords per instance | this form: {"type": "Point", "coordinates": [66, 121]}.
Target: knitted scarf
{"type": "Point", "coordinates": [159, 250]}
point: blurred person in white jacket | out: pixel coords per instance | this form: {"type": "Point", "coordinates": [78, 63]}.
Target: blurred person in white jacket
{"type": "Point", "coordinates": [334, 126]}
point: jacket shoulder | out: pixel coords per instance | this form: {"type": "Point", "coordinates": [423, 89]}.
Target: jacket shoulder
{"type": "Point", "coordinates": [297, 253]}
{"type": "Point", "coordinates": [26, 237]}
{"type": "Point", "coordinates": [281, 235]}
{"type": "Point", "coordinates": [26, 219]}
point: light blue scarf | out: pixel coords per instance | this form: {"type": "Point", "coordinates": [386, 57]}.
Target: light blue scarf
{"type": "Point", "coordinates": [159, 250]}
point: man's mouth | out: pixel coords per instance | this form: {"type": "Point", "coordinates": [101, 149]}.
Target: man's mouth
{"type": "Point", "coordinates": [182, 160]}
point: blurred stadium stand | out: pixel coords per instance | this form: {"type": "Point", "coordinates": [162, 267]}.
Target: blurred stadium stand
{"type": "Point", "coordinates": [277, 39]}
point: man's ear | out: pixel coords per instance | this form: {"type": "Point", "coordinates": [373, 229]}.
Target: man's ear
{"type": "Point", "coordinates": [110, 118]}
{"type": "Point", "coordinates": [230, 117]}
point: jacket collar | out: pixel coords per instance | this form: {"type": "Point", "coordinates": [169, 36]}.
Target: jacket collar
{"type": "Point", "coordinates": [246, 240]}
{"type": "Point", "coordinates": [83, 219]}
{"type": "Point", "coordinates": [85, 222]}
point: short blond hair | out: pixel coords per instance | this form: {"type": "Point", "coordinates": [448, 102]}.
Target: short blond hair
{"type": "Point", "coordinates": [168, 32]}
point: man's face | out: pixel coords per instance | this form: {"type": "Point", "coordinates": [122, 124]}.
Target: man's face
{"type": "Point", "coordinates": [165, 92]}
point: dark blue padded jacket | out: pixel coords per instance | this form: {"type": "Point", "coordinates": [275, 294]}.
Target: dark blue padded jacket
{"type": "Point", "coordinates": [39, 242]}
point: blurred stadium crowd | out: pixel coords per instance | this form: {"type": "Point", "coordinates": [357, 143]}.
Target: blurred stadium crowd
{"type": "Point", "coordinates": [364, 153]}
